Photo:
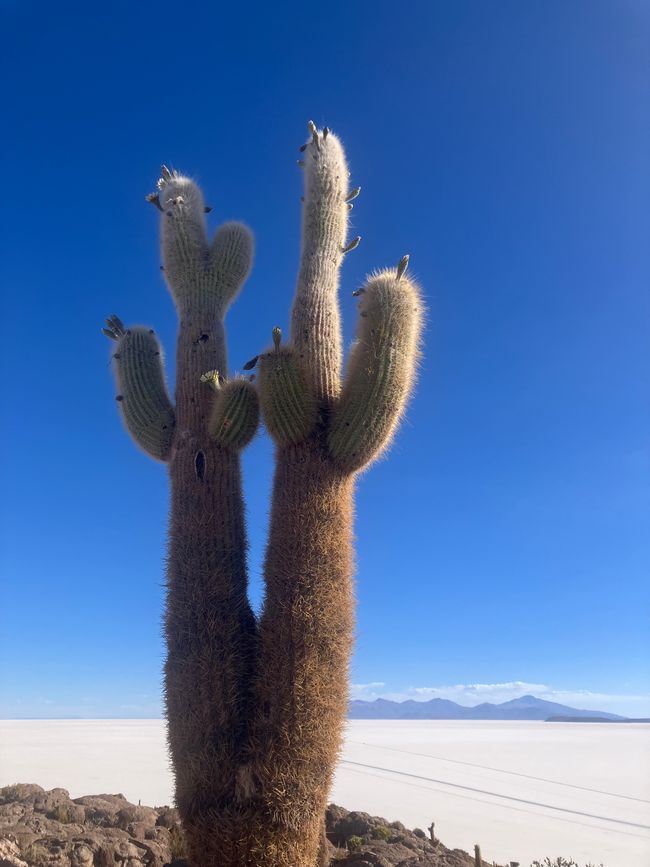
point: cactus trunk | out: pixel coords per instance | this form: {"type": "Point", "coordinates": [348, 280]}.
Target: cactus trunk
{"type": "Point", "coordinates": [210, 626]}
{"type": "Point", "coordinates": [305, 638]}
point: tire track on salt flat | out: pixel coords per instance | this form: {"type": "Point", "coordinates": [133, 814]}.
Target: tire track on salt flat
{"type": "Point", "coordinates": [500, 771]}
{"type": "Point", "coordinates": [498, 795]}
{"type": "Point", "coordinates": [592, 827]}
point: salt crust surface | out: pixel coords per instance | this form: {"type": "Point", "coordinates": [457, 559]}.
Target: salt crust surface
{"type": "Point", "coordinates": [522, 790]}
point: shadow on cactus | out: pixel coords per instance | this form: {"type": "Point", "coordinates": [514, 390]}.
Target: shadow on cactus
{"type": "Point", "coordinates": [256, 705]}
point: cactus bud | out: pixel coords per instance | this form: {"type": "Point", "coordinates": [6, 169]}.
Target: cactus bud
{"type": "Point", "coordinates": [354, 243]}
{"type": "Point", "coordinates": [402, 265]}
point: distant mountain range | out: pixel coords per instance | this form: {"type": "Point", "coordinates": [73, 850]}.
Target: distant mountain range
{"type": "Point", "coordinates": [528, 707]}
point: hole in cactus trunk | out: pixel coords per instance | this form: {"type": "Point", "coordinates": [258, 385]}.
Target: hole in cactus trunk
{"type": "Point", "coordinates": [199, 466]}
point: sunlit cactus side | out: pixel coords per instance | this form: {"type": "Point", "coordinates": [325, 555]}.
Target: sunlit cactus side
{"type": "Point", "coordinates": [315, 317]}
{"type": "Point", "coordinates": [326, 429]}
{"type": "Point", "coordinates": [380, 371]}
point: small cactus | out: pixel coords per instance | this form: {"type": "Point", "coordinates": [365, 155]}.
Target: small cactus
{"type": "Point", "coordinates": [355, 843]}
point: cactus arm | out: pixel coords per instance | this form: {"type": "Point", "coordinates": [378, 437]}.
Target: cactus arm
{"type": "Point", "coordinates": [194, 269]}
{"type": "Point", "coordinates": [183, 236]}
{"type": "Point", "coordinates": [315, 318]}
{"type": "Point", "coordinates": [235, 412]}
{"type": "Point", "coordinates": [381, 370]}
{"type": "Point", "coordinates": [288, 406]}
{"type": "Point", "coordinates": [203, 280]}
{"type": "Point", "coordinates": [141, 389]}
{"type": "Point", "coordinates": [229, 264]}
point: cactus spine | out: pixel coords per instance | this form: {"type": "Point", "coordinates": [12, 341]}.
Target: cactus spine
{"type": "Point", "coordinates": [256, 707]}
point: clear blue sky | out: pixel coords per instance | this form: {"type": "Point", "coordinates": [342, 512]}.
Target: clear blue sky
{"type": "Point", "coordinates": [504, 145]}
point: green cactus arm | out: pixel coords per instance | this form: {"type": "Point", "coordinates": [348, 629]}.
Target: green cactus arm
{"type": "Point", "coordinates": [183, 231]}
{"type": "Point", "coordinates": [192, 267]}
{"type": "Point", "coordinates": [235, 412]}
{"type": "Point", "coordinates": [381, 369]}
{"type": "Point", "coordinates": [315, 317]}
{"type": "Point", "coordinates": [288, 406]}
{"type": "Point", "coordinates": [142, 392]}
{"type": "Point", "coordinates": [230, 261]}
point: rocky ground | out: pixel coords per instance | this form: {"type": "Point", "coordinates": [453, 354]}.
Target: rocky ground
{"type": "Point", "coordinates": [49, 829]}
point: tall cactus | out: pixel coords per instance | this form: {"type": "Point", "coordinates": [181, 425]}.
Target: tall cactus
{"type": "Point", "coordinates": [256, 707]}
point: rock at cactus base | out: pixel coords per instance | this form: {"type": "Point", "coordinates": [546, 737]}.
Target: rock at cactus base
{"type": "Point", "coordinates": [39, 827]}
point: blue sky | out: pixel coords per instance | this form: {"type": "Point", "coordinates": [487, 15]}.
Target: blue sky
{"type": "Point", "coordinates": [503, 546]}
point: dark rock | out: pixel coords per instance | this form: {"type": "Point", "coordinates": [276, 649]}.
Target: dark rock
{"type": "Point", "coordinates": [363, 859]}
{"type": "Point", "coordinates": [403, 848]}
{"type": "Point", "coordinates": [351, 825]}
{"type": "Point", "coordinates": [167, 817]}
{"type": "Point", "coordinates": [40, 828]}
{"type": "Point", "coordinates": [20, 792]}
{"type": "Point", "coordinates": [129, 817]}
{"type": "Point", "coordinates": [10, 853]}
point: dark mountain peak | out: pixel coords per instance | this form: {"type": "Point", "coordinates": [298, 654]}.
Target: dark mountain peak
{"type": "Point", "coordinates": [524, 701]}
{"type": "Point", "coordinates": [526, 707]}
